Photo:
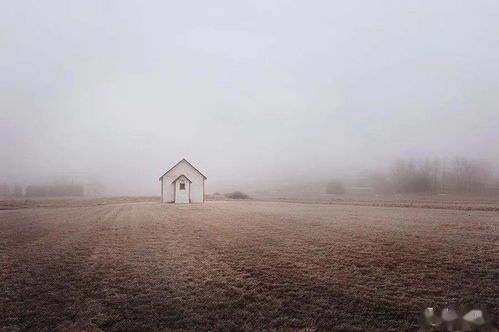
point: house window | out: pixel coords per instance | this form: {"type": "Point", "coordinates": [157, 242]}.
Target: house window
{"type": "Point", "coordinates": [182, 185]}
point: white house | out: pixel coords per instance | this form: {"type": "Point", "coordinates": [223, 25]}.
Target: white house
{"type": "Point", "coordinates": [182, 183]}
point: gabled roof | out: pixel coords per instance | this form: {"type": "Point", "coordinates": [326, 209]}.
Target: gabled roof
{"type": "Point", "coordinates": [181, 176]}
{"type": "Point", "coordinates": [183, 159]}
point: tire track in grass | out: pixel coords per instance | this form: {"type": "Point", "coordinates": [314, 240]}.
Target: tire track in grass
{"type": "Point", "coordinates": [228, 280]}
{"type": "Point", "coordinates": [190, 235]}
{"type": "Point", "coordinates": [161, 274]}
{"type": "Point", "coordinates": [128, 294]}
{"type": "Point", "coordinates": [283, 275]}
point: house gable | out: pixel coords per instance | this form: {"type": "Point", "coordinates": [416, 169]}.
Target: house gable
{"type": "Point", "coordinates": [181, 176]}
{"type": "Point", "coordinates": [180, 162]}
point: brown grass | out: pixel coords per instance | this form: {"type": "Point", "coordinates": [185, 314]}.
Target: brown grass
{"type": "Point", "coordinates": [55, 202]}
{"type": "Point", "coordinates": [487, 201]}
{"type": "Point", "coordinates": [241, 265]}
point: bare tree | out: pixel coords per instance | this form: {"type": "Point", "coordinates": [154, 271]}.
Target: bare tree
{"type": "Point", "coordinates": [4, 189]}
{"type": "Point", "coordinates": [18, 190]}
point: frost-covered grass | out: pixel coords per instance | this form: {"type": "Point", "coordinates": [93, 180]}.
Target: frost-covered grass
{"type": "Point", "coordinates": [245, 265]}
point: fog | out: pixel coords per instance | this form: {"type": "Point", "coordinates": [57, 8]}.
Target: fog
{"type": "Point", "coordinates": [252, 93]}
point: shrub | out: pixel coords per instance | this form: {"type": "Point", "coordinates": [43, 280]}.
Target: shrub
{"type": "Point", "coordinates": [237, 195]}
{"type": "Point", "coordinates": [335, 187]}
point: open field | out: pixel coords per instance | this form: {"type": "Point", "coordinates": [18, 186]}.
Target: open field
{"type": "Point", "coordinates": [250, 265]}
{"type": "Point", "coordinates": [57, 202]}
{"type": "Point", "coordinates": [486, 201]}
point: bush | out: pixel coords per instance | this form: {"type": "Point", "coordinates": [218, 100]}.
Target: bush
{"type": "Point", "coordinates": [237, 195]}
{"type": "Point", "coordinates": [335, 187]}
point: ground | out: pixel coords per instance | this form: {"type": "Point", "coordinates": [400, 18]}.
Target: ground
{"type": "Point", "coordinates": [124, 264]}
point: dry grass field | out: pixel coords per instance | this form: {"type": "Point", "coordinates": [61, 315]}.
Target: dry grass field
{"type": "Point", "coordinates": [239, 265]}
{"type": "Point", "coordinates": [488, 201]}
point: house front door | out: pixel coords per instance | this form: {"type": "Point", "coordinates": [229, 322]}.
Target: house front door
{"type": "Point", "coordinates": [182, 190]}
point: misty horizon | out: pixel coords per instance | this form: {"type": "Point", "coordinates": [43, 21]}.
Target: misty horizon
{"type": "Point", "coordinates": [251, 93]}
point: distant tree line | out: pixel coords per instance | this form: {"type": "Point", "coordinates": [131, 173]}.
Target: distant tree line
{"type": "Point", "coordinates": [5, 190]}
{"type": "Point", "coordinates": [436, 175]}
{"type": "Point", "coordinates": [57, 190]}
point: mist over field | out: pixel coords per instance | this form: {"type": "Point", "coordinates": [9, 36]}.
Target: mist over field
{"type": "Point", "coordinates": [256, 94]}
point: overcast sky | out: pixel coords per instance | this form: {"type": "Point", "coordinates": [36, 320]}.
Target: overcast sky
{"type": "Point", "coordinates": [247, 91]}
